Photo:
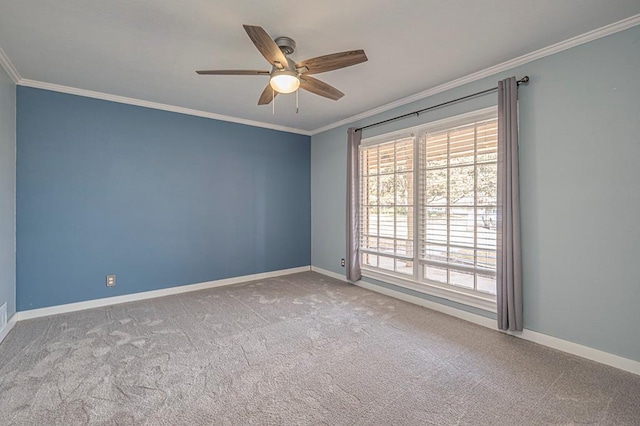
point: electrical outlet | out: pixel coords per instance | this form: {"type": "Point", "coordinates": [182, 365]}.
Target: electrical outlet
{"type": "Point", "coordinates": [111, 280]}
{"type": "Point", "coordinates": [342, 262]}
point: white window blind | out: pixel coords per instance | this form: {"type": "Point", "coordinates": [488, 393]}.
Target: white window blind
{"type": "Point", "coordinates": [428, 206]}
{"type": "Point", "coordinates": [386, 205]}
{"type": "Point", "coordinates": [458, 190]}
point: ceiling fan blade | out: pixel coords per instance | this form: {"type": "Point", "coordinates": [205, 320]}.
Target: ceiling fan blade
{"type": "Point", "coordinates": [267, 95]}
{"type": "Point", "coordinates": [266, 46]}
{"type": "Point", "coordinates": [333, 61]}
{"type": "Point", "coordinates": [233, 72]}
{"type": "Point", "coordinates": [321, 88]}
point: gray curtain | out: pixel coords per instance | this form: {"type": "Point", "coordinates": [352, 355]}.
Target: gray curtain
{"type": "Point", "coordinates": [353, 205]}
{"type": "Point", "coordinates": [509, 276]}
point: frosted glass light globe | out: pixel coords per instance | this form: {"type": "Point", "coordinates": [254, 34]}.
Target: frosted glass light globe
{"type": "Point", "coordinates": [285, 82]}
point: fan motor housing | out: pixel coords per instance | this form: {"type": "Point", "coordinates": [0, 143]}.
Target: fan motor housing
{"type": "Point", "coordinates": [286, 44]}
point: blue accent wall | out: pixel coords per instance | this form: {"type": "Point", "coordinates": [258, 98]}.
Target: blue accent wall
{"type": "Point", "coordinates": [7, 192]}
{"type": "Point", "coordinates": [160, 199]}
{"type": "Point", "coordinates": [579, 189]}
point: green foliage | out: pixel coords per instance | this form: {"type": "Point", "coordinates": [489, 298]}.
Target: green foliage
{"type": "Point", "coordinates": [461, 185]}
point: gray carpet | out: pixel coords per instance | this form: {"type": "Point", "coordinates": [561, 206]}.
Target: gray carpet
{"type": "Point", "coordinates": [300, 349]}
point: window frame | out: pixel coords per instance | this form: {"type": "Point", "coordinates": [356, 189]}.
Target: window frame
{"type": "Point", "coordinates": [376, 141]}
{"type": "Point", "coordinates": [417, 281]}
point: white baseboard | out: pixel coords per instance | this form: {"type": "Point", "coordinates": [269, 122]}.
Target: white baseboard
{"type": "Point", "coordinates": [582, 351]}
{"type": "Point", "coordinates": [329, 273]}
{"type": "Point", "coordinates": [7, 328]}
{"type": "Point", "coordinates": [454, 312]}
{"type": "Point", "coordinates": [626, 364]}
{"type": "Point", "coordinates": [96, 303]}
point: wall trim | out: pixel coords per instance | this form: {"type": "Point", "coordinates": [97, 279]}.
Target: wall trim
{"type": "Point", "coordinates": [7, 328]}
{"type": "Point", "coordinates": [435, 306]}
{"type": "Point", "coordinates": [572, 348]}
{"type": "Point", "coordinates": [8, 67]}
{"type": "Point", "coordinates": [433, 290]}
{"type": "Point", "coordinates": [329, 273]}
{"type": "Point", "coordinates": [521, 60]}
{"type": "Point", "coordinates": [398, 282]}
{"type": "Point", "coordinates": [15, 77]}
{"type": "Point", "coordinates": [156, 105]}
{"type": "Point", "coordinates": [107, 301]}
{"type": "Point", "coordinates": [602, 357]}
{"type": "Point", "coordinates": [613, 28]}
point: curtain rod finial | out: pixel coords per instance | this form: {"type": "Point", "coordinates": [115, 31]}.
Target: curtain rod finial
{"type": "Point", "coordinates": [524, 80]}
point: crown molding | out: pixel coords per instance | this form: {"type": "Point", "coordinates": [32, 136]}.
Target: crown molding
{"type": "Point", "coordinates": [155, 105]}
{"type": "Point", "coordinates": [9, 68]}
{"type": "Point", "coordinates": [487, 72]}
{"type": "Point", "coordinates": [18, 80]}
{"type": "Point", "coordinates": [622, 25]}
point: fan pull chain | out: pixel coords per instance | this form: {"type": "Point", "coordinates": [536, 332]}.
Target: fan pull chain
{"type": "Point", "coordinates": [297, 109]}
{"type": "Point", "coordinates": [273, 101]}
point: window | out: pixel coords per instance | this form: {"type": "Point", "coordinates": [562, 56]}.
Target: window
{"type": "Point", "coordinates": [386, 206]}
{"type": "Point", "coordinates": [446, 241]}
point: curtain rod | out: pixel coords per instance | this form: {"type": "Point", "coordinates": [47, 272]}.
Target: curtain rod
{"type": "Point", "coordinates": [523, 80]}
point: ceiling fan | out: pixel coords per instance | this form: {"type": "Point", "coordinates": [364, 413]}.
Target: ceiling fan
{"type": "Point", "coordinates": [286, 76]}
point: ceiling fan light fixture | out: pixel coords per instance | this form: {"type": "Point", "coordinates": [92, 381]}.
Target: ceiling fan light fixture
{"type": "Point", "coordinates": [284, 81]}
{"type": "Point", "coordinates": [287, 75]}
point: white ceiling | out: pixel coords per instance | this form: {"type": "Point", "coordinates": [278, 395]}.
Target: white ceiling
{"type": "Point", "coordinates": [149, 49]}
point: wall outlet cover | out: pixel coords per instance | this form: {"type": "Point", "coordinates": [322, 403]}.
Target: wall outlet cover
{"type": "Point", "coordinates": [111, 280]}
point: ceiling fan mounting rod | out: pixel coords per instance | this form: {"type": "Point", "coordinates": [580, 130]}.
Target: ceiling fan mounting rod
{"type": "Point", "coordinates": [287, 75]}
{"type": "Point", "coordinates": [286, 44]}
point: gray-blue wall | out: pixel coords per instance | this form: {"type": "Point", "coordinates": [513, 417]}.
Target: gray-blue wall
{"type": "Point", "coordinates": [580, 189]}
{"type": "Point", "coordinates": [157, 198]}
{"type": "Point", "coordinates": [7, 192]}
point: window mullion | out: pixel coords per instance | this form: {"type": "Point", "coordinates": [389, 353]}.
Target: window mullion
{"type": "Point", "coordinates": [414, 214]}
{"type": "Point", "coordinates": [448, 203]}
{"type": "Point", "coordinates": [475, 204]}
{"type": "Point", "coordinates": [395, 199]}
{"type": "Point", "coordinates": [378, 208]}
{"type": "Point", "coordinates": [417, 207]}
